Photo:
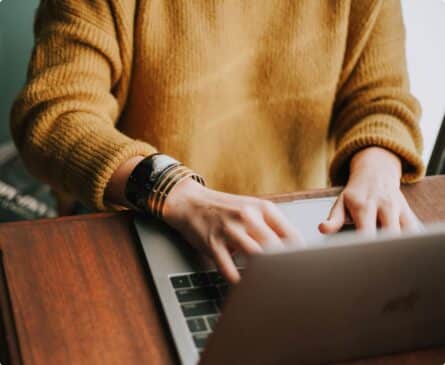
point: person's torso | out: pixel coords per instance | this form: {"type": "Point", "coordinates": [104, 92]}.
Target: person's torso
{"type": "Point", "coordinates": [240, 91]}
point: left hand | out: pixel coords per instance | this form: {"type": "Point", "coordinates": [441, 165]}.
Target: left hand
{"type": "Point", "coordinates": [372, 196]}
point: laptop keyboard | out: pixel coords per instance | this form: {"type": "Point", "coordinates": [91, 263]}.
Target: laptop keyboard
{"type": "Point", "coordinates": [201, 296]}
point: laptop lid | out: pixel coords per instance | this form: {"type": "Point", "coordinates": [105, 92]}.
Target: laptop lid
{"type": "Point", "coordinates": [344, 301]}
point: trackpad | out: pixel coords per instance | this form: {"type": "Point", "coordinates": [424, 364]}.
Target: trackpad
{"type": "Point", "coordinates": [307, 214]}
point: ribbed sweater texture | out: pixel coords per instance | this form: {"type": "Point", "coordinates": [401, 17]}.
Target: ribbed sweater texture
{"type": "Point", "coordinates": [259, 97]}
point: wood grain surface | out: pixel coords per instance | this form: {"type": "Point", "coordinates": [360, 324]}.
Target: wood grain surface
{"type": "Point", "coordinates": [76, 290]}
{"type": "Point", "coordinates": [80, 294]}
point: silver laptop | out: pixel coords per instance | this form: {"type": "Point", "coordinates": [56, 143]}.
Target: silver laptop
{"type": "Point", "coordinates": [340, 298]}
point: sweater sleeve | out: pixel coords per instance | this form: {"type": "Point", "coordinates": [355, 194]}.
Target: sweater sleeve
{"type": "Point", "coordinates": [63, 121]}
{"type": "Point", "coordinates": [374, 106]}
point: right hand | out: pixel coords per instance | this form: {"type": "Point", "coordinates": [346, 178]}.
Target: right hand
{"type": "Point", "coordinates": [220, 224]}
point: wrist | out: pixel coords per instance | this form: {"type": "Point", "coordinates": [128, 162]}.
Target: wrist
{"type": "Point", "coordinates": [181, 199]}
{"type": "Point", "coordinates": [377, 161]}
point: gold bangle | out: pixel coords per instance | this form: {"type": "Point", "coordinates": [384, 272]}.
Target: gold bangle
{"type": "Point", "coordinates": [167, 181]}
{"type": "Point", "coordinates": [163, 180]}
{"type": "Point", "coordinates": [178, 178]}
{"type": "Point", "coordinates": [165, 188]}
{"type": "Point", "coordinates": [173, 183]}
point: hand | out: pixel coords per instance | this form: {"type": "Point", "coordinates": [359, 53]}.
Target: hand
{"type": "Point", "coordinates": [220, 224]}
{"type": "Point", "coordinates": [372, 196]}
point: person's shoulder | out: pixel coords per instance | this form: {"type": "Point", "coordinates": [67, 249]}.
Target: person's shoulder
{"type": "Point", "coordinates": [365, 14]}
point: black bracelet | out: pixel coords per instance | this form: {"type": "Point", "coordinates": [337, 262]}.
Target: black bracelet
{"type": "Point", "coordinates": [144, 177]}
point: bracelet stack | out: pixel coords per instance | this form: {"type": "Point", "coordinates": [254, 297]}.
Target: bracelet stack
{"type": "Point", "coordinates": [153, 179]}
{"type": "Point", "coordinates": [166, 183]}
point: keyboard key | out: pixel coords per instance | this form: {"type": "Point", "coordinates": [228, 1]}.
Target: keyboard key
{"type": "Point", "coordinates": [199, 279]}
{"type": "Point", "coordinates": [180, 282]}
{"type": "Point", "coordinates": [200, 339]}
{"type": "Point", "coordinates": [216, 278]}
{"type": "Point", "coordinates": [190, 295]}
{"type": "Point", "coordinates": [199, 309]}
{"type": "Point", "coordinates": [211, 321]}
{"type": "Point", "coordinates": [197, 325]}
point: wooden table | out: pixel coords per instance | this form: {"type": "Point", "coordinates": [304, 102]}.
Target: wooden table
{"type": "Point", "coordinates": [75, 290]}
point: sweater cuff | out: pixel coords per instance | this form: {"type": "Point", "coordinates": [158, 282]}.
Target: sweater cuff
{"type": "Point", "coordinates": [94, 159]}
{"type": "Point", "coordinates": [382, 131]}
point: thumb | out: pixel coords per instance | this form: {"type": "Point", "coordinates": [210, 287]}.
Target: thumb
{"type": "Point", "coordinates": [336, 218]}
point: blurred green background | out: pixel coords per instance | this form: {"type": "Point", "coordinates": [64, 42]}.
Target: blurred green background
{"type": "Point", "coordinates": [16, 22]}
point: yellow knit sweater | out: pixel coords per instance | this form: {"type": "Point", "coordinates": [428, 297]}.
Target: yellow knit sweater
{"type": "Point", "coordinates": [257, 96]}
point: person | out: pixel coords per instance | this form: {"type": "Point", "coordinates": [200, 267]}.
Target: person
{"type": "Point", "coordinates": [252, 97]}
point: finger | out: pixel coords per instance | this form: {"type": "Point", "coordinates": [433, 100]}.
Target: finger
{"type": "Point", "coordinates": [264, 235]}
{"type": "Point", "coordinates": [238, 239]}
{"type": "Point", "coordinates": [279, 223]}
{"type": "Point", "coordinates": [364, 217]}
{"type": "Point", "coordinates": [336, 218]}
{"type": "Point", "coordinates": [258, 229]}
{"type": "Point", "coordinates": [389, 218]}
{"type": "Point", "coordinates": [225, 264]}
{"type": "Point", "coordinates": [409, 220]}
{"type": "Point", "coordinates": [268, 239]}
